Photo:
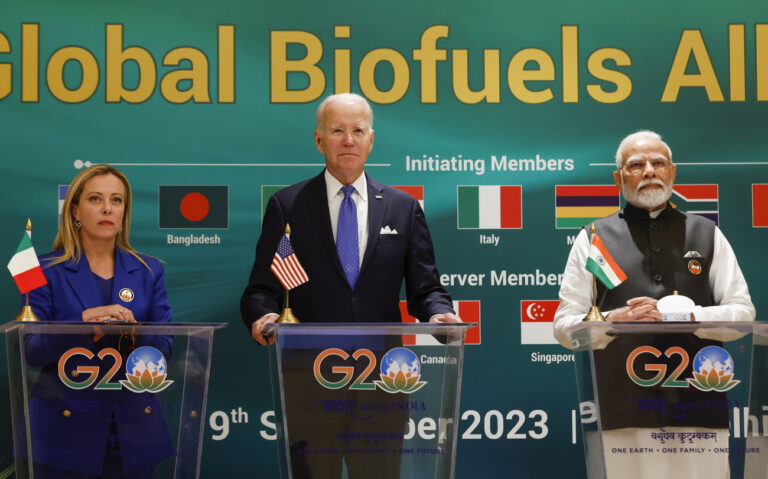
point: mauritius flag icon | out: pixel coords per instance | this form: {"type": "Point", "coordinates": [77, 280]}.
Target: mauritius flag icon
{"type": "Point", "coordinates": [578, 205]}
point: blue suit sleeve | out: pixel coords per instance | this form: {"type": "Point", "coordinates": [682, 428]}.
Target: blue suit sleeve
{"type": "Point", "coordinates": [159, 312]}
{"type": "Point", "coordinates": [264, 294]}
{"type": "Point", "coordinates": [426, 296]}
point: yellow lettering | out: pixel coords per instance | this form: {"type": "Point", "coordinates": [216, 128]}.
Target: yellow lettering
{"type": "Point", "coordinates": [490, 91]}
{"type": "Point", "coordinates": [761, 60]}
{"type": "Point", "coordinates": [5, 68]}
{"type": "Point", "coordinates": [400, 75]}
{"type": "Point", "coordinates": [342, 69]}
{"type": "Point", "coordinates": [737, 62]}
{"type": "Point", "coordinates": [116, 57]}
{"type": "Point", "coordinates": [429, 55]}
{"type": "Point", "coordinates": [30, 62]}
{"type": "Point", "coordinates": [596, 67]}
{"type": "Point", "coordinates": [517, 75]}
{"type": "Point", "coordinates": [55, 74]}
{"type": "Point", "coordinates": [226, 64]}
{"type": "Point", "coordinates": [692, 44]}
{"type": "Point", "coordinates": [280, 67]}
{"type": "Point", "coordinates": [197, 76]}
{"type": "Point", "coordinates": [570, 39]}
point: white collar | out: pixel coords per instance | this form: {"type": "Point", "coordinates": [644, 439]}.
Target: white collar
{"type": "Point", "coordinates": [333, 186]}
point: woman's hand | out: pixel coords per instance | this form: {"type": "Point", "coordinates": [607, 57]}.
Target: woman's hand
{"type": "Point", "coordinates": [112, 312]}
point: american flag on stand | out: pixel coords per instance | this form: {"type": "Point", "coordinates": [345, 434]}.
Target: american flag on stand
{"type": "Point", "coordinates": [286, 266]}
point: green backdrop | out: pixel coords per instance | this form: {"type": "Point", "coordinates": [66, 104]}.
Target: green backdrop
{"type": "Point", "coordinates": [223, 94]}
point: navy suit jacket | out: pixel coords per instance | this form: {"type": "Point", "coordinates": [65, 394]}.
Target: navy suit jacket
{"type": "Point", "coordinates": [388, 259]}
{"type": "Point", "coordinates": [77, 442]}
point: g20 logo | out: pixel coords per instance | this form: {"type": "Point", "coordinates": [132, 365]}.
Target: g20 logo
{"type": "Point", "coordinates": [146, 370]}
{"type": "Point", "coordinates": [400, 371]}
{"type": "Point", "coordinates": [712, 369]}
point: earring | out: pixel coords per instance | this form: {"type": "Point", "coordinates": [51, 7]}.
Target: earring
{"type": "Point", "coordinates": [78, 225]}
{"type": "Point", "coordinates": [120, 231]}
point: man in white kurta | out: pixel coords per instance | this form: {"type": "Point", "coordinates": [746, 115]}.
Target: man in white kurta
{"type": "Point", "coordinates": [661, 250]}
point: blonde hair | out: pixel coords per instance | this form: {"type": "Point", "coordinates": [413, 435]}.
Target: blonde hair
{"type": "Point", "coordinates": [68, 238]}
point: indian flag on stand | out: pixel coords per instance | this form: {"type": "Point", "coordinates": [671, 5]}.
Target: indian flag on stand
{"type": "Point", "coordinates": [490, 207]}
{"type": "Point", "coordinates": [25, 268]}
{"type": "Point", "coordinates": [602, 265]}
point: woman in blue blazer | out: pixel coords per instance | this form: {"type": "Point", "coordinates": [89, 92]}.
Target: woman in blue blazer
{"type": "Point", "coordinates": [94, 275]}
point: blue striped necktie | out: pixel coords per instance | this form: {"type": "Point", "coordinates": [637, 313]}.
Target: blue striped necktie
{"type": "Point", "coordinates": [346, 237]}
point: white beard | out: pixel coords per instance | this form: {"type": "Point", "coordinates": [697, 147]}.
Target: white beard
{"type": "Point", "coordinates": [650, 198]}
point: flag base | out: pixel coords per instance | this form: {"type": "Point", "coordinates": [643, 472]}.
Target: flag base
{"type": "Point", "coordinates": [287, 317]}
{"type": "Point", "coordinates": [594, 315]}
{"type": "Point", "coordinates": [26, 315]}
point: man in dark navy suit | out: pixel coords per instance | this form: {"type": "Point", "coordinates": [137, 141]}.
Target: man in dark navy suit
{"type": "Point", "coordinates": [357, 239]}
{"type": "Point", "coordinates": [393, 242]}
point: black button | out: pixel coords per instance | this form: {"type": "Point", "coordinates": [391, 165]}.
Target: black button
{"type": "Point", "coordinates": [658, 278]}
{"type": "Point", "coordinates": [655, 248]}
{"type": "Point", "coordinates": [654, 226]}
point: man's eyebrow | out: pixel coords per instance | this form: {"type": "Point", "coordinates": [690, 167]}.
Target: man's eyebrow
{"type": "Point", "coordinates": [356, 125]}
{"type": "Point", "coordinates": [653, 157]}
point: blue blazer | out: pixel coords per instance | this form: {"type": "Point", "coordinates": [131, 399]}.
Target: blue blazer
{"type": "Point", "coordinates": [70, 428]}
{"type": "Point", "coordinates": [388, 260]}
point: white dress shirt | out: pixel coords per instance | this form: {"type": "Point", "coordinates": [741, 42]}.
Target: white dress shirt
{"type": "Point", "coordinates": [360, 197]}
{"type": "Point", "coordinates": [729, 288]}
{"type": "Point", "coordinates": [335, 196]}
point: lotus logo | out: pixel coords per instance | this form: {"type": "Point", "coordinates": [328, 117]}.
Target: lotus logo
{"type": "Point", "coordinates": [713, 370]}
{"type": "Point", "coordinates": [400, 372]}
{"type": "Point", "coordinates": [146, 370]}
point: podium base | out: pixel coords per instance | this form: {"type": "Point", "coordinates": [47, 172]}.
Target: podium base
{"type": "Point", "coordinates": [26, 315]}
{"type": "Point", "coordinates": [287, 317]}
{"type": "Point", "coordinates": [594, 315]}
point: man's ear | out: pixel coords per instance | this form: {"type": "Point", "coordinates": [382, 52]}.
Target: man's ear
{"type": "Point", "coordinates": [372, 132]}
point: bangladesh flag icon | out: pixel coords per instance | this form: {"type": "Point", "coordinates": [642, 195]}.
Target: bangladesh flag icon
{"type": "Point", "coordinates": [194, 207]}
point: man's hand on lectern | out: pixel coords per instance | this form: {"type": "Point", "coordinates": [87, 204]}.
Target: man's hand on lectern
{"type": "Point", "coordinates": [445, 318]}
{"type": "Point", "coordinates": [641, 308]}
{"type": "Point", "coordinates": [257, 329]}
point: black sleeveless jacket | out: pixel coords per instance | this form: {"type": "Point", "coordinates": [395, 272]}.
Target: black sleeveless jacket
{"type": "Point", "coordinates": [652, 252]}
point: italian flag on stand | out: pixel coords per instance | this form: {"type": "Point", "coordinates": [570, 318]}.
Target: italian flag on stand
{"type": "Point", "coordinates": [602, 265]}
{"type": "Point", "coordinates": [25, 268]}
